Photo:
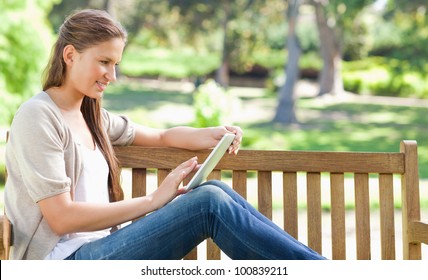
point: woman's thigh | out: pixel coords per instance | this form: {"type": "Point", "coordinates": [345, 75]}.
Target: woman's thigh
{"type": "Point", "coordinates": [168, 233]}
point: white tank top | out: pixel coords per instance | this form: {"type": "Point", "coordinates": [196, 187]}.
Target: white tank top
{"type": "Point", "coordinates": [92, 186]}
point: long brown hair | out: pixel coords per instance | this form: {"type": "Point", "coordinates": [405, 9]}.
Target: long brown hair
{"type": "Point", "coordinates": [85, 29]}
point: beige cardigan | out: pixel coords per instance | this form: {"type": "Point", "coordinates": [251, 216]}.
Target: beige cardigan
{"type": "Point", "coordinates": [42, 161]}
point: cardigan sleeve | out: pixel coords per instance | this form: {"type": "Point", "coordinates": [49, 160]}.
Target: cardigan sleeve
{"type": "Point", "coordinates": [37, 144]}
{"type": "Point", "coordinates": [120, 129]}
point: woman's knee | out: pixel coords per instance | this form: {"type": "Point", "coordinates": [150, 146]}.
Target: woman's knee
{"type": "Point", "coordinates": [216, 183]}
{"type": "Point", "coordinates": [211, 192]}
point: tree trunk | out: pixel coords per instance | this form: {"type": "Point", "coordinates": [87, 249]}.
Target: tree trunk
{"type": "Point", "coordinates": [222, 73]}
{"type": "Point", "coordinates": [330, 79]}
{"type": "Point", "coordinates": [285, 111]}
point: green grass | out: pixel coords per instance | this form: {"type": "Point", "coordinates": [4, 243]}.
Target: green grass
{"type": "Point", "coordinates": [347, 127]}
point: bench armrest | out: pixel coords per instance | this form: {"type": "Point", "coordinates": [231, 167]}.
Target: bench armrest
{"type": "Point", "coordinates": [418, 232]}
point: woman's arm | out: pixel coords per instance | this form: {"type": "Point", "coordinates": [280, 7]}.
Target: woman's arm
{"type": "Point", "coordinates": [186, 137]}
{"type": "Point", "coordinates": [67, 216]}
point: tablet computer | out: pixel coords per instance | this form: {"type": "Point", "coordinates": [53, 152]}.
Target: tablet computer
{"type": "Point", "coordinates": [211, 161]}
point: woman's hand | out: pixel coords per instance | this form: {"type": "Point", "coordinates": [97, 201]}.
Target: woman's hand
{"type": "Point", "coordinates": [169, 188]}
{"type": "Point", "coordinates": [222, 130]}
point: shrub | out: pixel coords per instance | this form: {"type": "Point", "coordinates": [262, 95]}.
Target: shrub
{"type": "Point", "coordinates": [384, 76]}
{"type": "Point", "coordinates": [212, 105]}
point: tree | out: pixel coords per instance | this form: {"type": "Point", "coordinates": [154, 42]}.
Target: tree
{"type": "Point", "coordinates": [334, 19]}
{"type": "Point", "coordinates": [285, 111]}
{"type": "Point", "coordinates": [236, 21]}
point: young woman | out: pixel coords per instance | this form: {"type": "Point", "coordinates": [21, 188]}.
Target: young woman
{"type": "Point", "coordinates": [63, 195]}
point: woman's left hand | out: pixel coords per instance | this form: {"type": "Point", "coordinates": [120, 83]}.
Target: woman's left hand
{"type": "Point", "coordinates": [222, 130]}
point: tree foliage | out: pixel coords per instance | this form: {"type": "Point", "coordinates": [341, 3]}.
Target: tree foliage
{"type": "Point", "coordinates": [240, 27]}
{"type": "Point", "coordinates": [25, 40]}
{"type": "Point", "coordinates": [410, 21]}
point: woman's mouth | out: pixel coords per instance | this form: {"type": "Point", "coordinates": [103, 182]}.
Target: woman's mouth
{"type": "Point", "coordinates": [101, 86]}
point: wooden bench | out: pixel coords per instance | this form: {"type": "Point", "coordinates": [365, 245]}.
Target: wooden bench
{"type": "Point", "coordinates": [343, 170]}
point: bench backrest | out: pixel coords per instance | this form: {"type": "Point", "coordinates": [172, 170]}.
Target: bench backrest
{"type": "Point", "coordinates": [313, 165]}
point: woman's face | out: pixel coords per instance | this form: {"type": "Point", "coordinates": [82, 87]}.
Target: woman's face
{"type": "Point", "coordinates": [92, 70]}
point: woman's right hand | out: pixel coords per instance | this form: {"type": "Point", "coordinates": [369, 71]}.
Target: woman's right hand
{"type": "Point", "coordinates": [169, 188]}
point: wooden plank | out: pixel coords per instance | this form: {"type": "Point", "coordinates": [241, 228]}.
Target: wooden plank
{"type": "Point", "coordinates": [213, 251]}
{"type": "Point", "coordinates": [338, 229]}
{"type": "Point", "coordinates": [264, 181]}
{"type": "Point", "coordinates": [418, 232]}
{"type": "Point", "coordinates": [362, 216]}
{"type": "Point", "coordinates": [162, 173]}
{"type": "Point", "coordinates": [410, 199]}
{"type": "Point", "coordinates": [314, 211]}
{"type": "Point", "coordinates": [387, 224]}
{"type": "Point", "coordinates": [290, 210]}
{"type": "Point", "coordinates": [239, 182]}
{"type": "Point", "coordinates": [4, 246]}
{"type": "Point", "coordinates": [139, 182]}
{"type": "Point", "coordinates": [214, 175]}
{"type": "Point", "coordinates": [267, 160]}
{"type": "Point", "coordinates": [6, 237]}
{"type": "Point", "coordinates": [192, 255]}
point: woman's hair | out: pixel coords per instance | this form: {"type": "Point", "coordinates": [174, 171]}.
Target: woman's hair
{"type": "Point", "coordinates": [85, 29]}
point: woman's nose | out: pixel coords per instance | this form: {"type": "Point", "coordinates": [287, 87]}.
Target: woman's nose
{"type": "Point", "coordinates": [111, 74]}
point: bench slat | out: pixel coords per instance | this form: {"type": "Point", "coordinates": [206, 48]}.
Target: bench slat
{"type": "Point", "coordinates": [162, 173]}
{"type": "Point", "coordinates": [338, 228]}
{"type": "Point", "coordinates": [290, 203]}
{"type": "Point", "coordinates": [314, 211]}
{"type": "Point", "coordinates": [193, 254]}
{"type": "Point", "coordinates": [214, 175]}
{"type": "Point", "coordinates": [139, 182]}
{"type": "Point", "coordinates": [387, 224]}
{"type": "Point", "coordinates": [292, 161]}
{"type": "Point", "coordinates": [410, 199]}
{"type": "Point", "coordinates": [264, 191]}
{"type": "Point", "coordinates": [213, 251]}
{"type": "Point", "coordinates": [5, 244]}
{"type": "Point", "coordinates": [362, 213]}
{"type": "Point", "coordinates": [239, 182]}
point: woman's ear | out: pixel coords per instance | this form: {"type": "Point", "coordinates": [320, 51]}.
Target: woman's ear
{"type": "Point", "coordinates": [68, 54]}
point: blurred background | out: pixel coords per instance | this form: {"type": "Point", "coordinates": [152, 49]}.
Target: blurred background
{"type": "Point", "coordinates": [297, 74]}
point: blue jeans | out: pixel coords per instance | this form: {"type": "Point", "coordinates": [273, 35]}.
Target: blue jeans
{"type": "Point", "coordinates": [212, 210]}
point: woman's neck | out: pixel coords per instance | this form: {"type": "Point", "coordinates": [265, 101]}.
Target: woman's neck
{"type": "Point", "coordinates": [65, 100]}
{"type": "Point", "coordinates": [69, 105]}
